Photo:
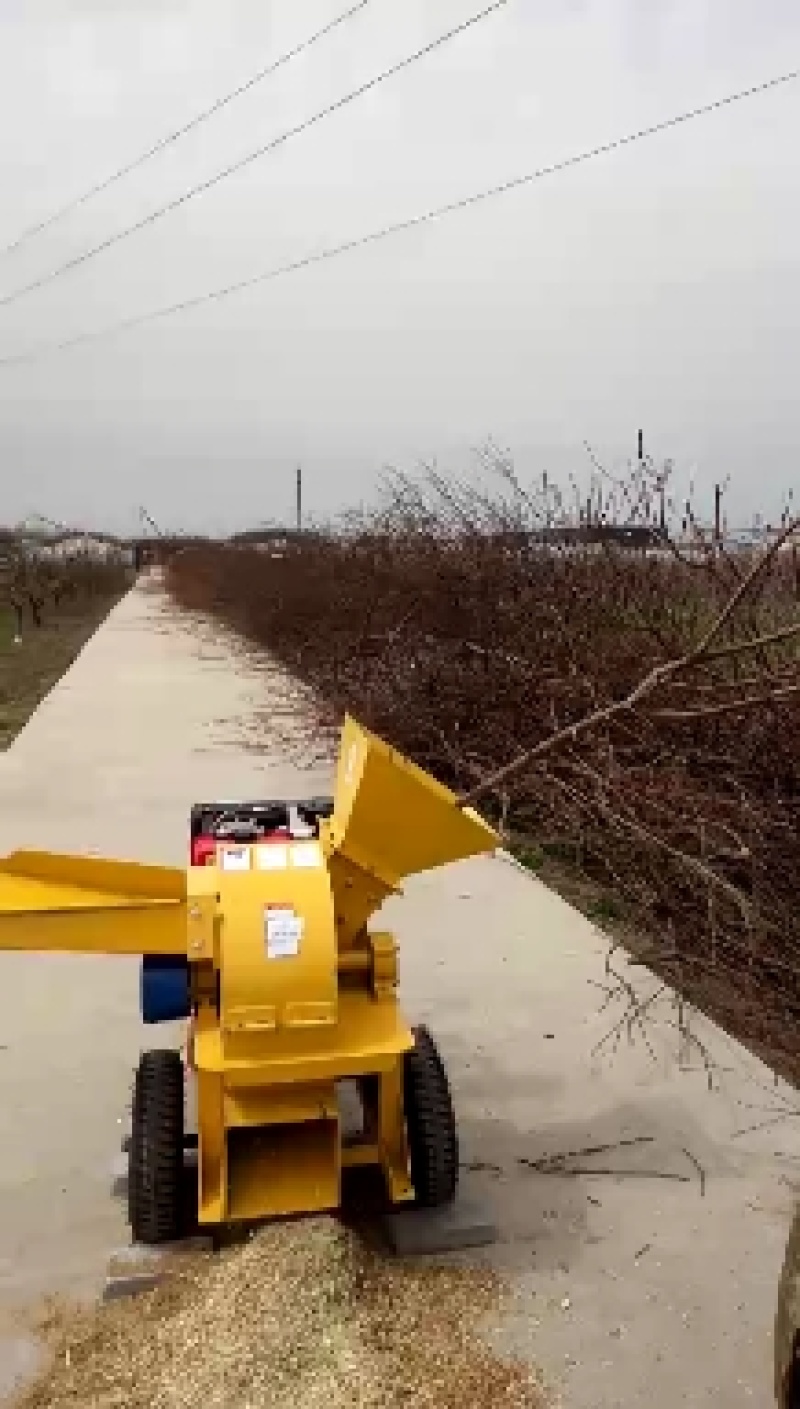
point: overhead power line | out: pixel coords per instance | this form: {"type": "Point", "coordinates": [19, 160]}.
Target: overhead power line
{"type": "Point", "coordinates": [175, 136]}
{"type": "Point", "coordinates": [373, 237]}
{"type": "Point", "coordinates": [282, 138]}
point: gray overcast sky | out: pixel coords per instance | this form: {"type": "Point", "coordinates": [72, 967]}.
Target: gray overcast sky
{"type": "Point", "coordinates": [659, 286]}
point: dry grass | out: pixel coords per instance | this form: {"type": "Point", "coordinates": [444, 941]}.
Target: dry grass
{"type": "Point", "coordinates": [301, 1316]}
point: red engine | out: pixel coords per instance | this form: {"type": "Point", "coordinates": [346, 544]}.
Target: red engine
{"type": "Point", "coordinates": [248, 822]}
{"type": "Point", "coordinates": [203, 850]}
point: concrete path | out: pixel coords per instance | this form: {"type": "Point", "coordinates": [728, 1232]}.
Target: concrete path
{"type": "Point", "coordinates": [643, 1273]}
{"type": "Point", "coordinates": [151, 718]}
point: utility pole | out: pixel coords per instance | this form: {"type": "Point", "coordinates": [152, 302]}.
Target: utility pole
{"type": "Point", "coordinates": [661, 485]}
{"type": "Point", "coordinates": [299, 497]}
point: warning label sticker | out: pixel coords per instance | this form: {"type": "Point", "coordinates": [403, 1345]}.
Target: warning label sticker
{"type": "Point", "coordinates": [283, 931]}
{"type": "Point", "coordinates": [236, 858]}
{"type": "Point", "coordinates": [306, 855]}
{"type": "Point", "coordinates": [272, 857]}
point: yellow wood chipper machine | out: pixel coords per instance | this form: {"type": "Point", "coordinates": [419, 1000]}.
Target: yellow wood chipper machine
{"type": "Point", "coordinates": [265, 947]}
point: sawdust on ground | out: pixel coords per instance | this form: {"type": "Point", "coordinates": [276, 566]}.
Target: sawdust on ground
{"type": "Point", "coordinates": [303, 1315]}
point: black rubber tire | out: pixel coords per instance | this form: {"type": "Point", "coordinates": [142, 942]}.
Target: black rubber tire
{"type": "Point", "coordinates": [430, 1123]}
{"type": "Point", "coordinates": [787, 1323]}
{"type": "Point", "coordinates": [133, 1143]}
{"type": "Point", "coordinates": [155, 1155]}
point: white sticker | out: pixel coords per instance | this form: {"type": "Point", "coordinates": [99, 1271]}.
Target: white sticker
{"type": "Point", "coordinates": [236, 858]}
{"type": "Point", "coordinates": [284, 930]}
{"type": "Point", "coordinates": [272, 857]}
{"type": "Point", "coordinates": [306, 854]}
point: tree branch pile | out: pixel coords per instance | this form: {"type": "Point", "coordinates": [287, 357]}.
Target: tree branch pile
{"type": "Point", "coordinates": [619, 698]}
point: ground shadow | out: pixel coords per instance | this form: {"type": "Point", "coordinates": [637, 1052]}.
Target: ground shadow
{"type": "Point", "coordinates": [540, 1187]}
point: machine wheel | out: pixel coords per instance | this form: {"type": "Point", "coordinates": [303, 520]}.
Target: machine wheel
{"type": "Point", "coordinates": [155, 1155]}
{"type": "Point", "coordinates": [133, 1193]}
{"type": "Point", "coordinates": [430, 1123]}
{"type": "Point", "coordinates": [787, 1324]}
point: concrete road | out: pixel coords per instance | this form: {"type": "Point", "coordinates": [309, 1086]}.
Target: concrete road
{"type": "Point", "coordinates": [644, 1266]}
{"type": "Point", "coordinates": [643, 1218]}
{"type": "Point", "coordinates": [151, 718]}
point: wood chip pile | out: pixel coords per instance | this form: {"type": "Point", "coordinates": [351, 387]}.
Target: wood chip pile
{"type": "Point", "coordinates": [302, 1316]}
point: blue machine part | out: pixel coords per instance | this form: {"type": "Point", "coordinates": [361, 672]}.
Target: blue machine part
{"type": "Point", "coordinates": [164, 988]}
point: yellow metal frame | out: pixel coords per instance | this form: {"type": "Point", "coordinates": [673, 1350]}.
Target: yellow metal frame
{"type": "Point", "coordinates": [292, 993]}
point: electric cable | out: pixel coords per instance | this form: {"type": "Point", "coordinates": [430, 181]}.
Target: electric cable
{"type": "Point", "coordinates": [282, 138]}
{"type": "Point", "coordinates": [170, 138]}
{"type": "Point", "coordinates": [372, 237]}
